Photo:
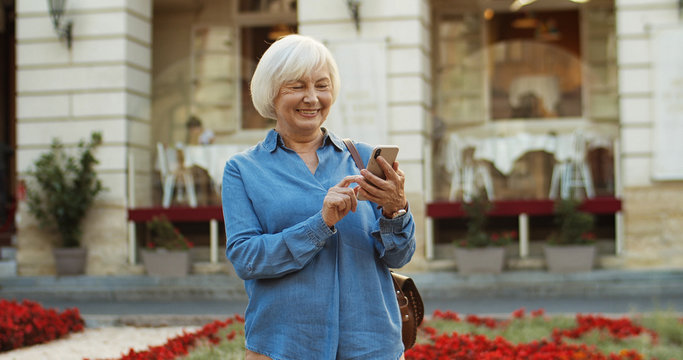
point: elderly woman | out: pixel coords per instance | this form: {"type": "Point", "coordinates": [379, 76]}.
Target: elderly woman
{"type": "Point", "coordinates": [315, 260]}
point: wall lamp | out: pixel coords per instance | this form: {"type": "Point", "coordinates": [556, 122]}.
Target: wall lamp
{"type": "Point", "coordinates": [57, 10]}
{"type": "Point", "coordinates": [354, 9]}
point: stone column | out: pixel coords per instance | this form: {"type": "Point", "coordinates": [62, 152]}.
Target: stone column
{"type": "Point", "coordinates": [102, 83]}
{"type": "Point", "coordinates": [653, 216]}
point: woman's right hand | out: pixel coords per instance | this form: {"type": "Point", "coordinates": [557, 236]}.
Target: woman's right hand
{"type": "Point", "coordinates": [340, 199]}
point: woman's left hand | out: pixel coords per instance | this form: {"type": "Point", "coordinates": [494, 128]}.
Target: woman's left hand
{"type": "Point", "coordinates": [389, 193]}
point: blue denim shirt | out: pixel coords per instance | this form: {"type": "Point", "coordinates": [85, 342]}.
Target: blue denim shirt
{"type": "Point", "coordinates": [314, 293]}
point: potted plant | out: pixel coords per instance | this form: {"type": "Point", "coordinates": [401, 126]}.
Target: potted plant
{"type": "Point", "coordinates": [480, 252]}
{"type": "Point", "coordinates": [572, 246]}
{"type": "Point", "coordinates": [167, 250]}
{"type": "Point", "coordinates": [60, 190]}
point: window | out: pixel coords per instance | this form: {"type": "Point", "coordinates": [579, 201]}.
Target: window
{"type": "Point", "coordinates": [260, 23]}
{"type": "Point", "coordinates": [213, 70]}
{"type": "Point", "coordinates": [515, 93]}
{"type": "Point", "coordinates": [204, 54]}
{"type": "Point", "coordinates": [535, 62]}
{"type": "Point", "coordinates": [255, 41]}
{"type": "Point", "coordinates": [526, 65]}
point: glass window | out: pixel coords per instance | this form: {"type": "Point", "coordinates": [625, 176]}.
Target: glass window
{"type": "Point", "coordinates": [460, 71]}
{"type": "Point", "coordinates": [203, 58]}
{"type": "Point", "coordinates": [535, 62]}
{"type": "Point", "coordinates": [519, 95]}
{"type": "Point", "coordinates": [213, 71]}
{"type": "Point", "coordinates": [267, 6]}
{"type": "Point", "coordinates": [255, 41]}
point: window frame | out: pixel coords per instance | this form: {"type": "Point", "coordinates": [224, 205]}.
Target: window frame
{"type": "Point", "coordinates": [244, 20]}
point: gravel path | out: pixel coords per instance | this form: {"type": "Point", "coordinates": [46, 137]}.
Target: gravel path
{"type": "Point", "coordinates": [98, 343]}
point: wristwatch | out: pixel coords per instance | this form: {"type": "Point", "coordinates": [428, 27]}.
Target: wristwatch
{"type": "Point", "coordinates": [399, 212]}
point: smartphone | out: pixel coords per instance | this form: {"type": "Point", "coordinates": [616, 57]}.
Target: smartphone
{"type": "Point", "coordinates": [388, 152]}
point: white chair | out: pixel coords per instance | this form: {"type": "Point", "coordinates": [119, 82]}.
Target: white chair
{"type": "Point", "coordinates": [572, 173]}
{"type": "Point", "coordinates": [171, 168]}
{"type": "Point", "coordinates": [470, 176]}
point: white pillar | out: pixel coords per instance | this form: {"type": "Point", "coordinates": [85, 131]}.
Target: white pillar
{"type": "Point", "coordinates": [102, 83]}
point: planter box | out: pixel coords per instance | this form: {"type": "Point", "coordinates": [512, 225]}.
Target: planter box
{"type": "Point", "coordinates": [162, 262]}
{"type": "Point", "coordinates": [569, 258]}
{"type": "Point", "coordinates": [481, 260]}
{"type": "Point", "coordinates": [70, 261]}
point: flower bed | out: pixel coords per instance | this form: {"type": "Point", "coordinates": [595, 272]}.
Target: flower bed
{"type": "Point", "coordinates": [211, 334]}
{"type": "Point", "coordinates": [448, 335]}
{"type": "Point", "coordinates": [28, 323]}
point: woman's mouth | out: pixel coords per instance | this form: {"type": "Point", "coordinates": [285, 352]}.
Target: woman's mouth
{"type": "Point", "coordinates": [308, 112]}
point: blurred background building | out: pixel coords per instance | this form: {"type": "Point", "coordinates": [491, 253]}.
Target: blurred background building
{"type": "Point", "coordinates": [525, 101]}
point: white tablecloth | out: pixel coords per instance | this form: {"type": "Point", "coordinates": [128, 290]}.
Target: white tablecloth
{"type": "Point", "coordinates": [503, 151]}
{"type": "Point", "coordinates": [212, 158]}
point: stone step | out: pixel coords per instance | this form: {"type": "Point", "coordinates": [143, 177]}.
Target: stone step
{"type": "Point", "coordinates": [8, 268]}
{"type": "Point", "coordinates": [433, 285]}
{"type": "Point", "coordinates": [8, 253]}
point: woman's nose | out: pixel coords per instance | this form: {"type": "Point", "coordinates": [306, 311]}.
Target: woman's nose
{"type": "Point", "coordinates": [310, 97]}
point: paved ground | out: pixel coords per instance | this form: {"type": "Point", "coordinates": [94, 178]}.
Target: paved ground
{"type": "Point", "coordinates": [198, 312]}
{"type": "Point", "coordinates": [142, 300]}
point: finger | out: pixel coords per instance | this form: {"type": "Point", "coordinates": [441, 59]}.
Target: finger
{"type": "Point", "coordinates": [370, 191]}
{"type": "Point", "coordinates": [383, 164]}
{"type": "Point", "coordinates": [370, 178]}
{"type": "Point", "coordinates": [348, 180]}
{"type": "Point", "coordinates": [353, 199]}
{"type": "Point", "coordinates": [343, 199]}
{"type": "Point", "coordinates": [388, 169]}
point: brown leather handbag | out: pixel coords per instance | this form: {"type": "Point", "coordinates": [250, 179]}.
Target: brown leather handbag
{"type": "Point", "coordinates": [409, 299]}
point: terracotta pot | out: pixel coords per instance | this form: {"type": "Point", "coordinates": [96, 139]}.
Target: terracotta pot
{"type": "Point", "coordinates": [70, 261]}
{"type": "Point", "coordinates": [480, 260]}
{"type": "Point", "coordinates": [162, 262]}
{"type": "Point", "coordinates": [569, 258]}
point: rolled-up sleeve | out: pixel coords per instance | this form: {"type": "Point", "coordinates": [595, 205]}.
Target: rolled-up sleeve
{"type": "Point", "coordinates": [395, 239]}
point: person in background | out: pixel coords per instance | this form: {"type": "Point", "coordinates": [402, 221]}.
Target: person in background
{"type": "Point", "coordinates": [314, 259]}
{"type": "Point", "coordinates": [196, 134]}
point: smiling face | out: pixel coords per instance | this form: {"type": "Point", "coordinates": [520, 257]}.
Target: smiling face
{"type": "Point", "coordinates": [302, 105]}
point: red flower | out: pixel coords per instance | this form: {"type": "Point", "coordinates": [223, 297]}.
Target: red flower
{"type": "Point", "coordinates": [538, 313]}
{"type": "Point", "coordinates": [519, 313]}
{"type": "Point", "coordinates": [28, 323]}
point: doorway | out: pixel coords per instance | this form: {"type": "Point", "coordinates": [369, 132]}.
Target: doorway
{"type": "Point", "coordinates": [7, 123]}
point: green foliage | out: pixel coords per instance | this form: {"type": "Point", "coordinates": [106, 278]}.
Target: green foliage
{"type": "Point", "coordinates": [574, 226]}
{"type": "Point", "coordinates": [225, 350]}
{"type": "Point", "coordinates": [61, 188]}
{"type": "Point", "coordinates": [477, 217]}
{"type": "Point", "coordinates": [162, 234]}
{"type": "Point", "coordinates": [476, 221]}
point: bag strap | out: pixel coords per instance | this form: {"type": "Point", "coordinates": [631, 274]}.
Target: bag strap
{"type": "Point", "coordinates": [354, 153]}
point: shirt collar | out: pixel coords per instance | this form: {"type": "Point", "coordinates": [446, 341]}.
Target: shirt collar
{"type": "Point", "coordinates": [273, 140]}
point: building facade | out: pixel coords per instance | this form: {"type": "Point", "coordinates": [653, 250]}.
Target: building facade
{"type": "Point", "coordinates": [488, 95]}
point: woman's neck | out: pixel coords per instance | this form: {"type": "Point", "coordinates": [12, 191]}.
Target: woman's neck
{"type": "Point", "coordinates": [303, 144]}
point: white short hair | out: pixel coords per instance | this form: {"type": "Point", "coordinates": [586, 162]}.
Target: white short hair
{"type": "Point", "coordinates": [289, 59]}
